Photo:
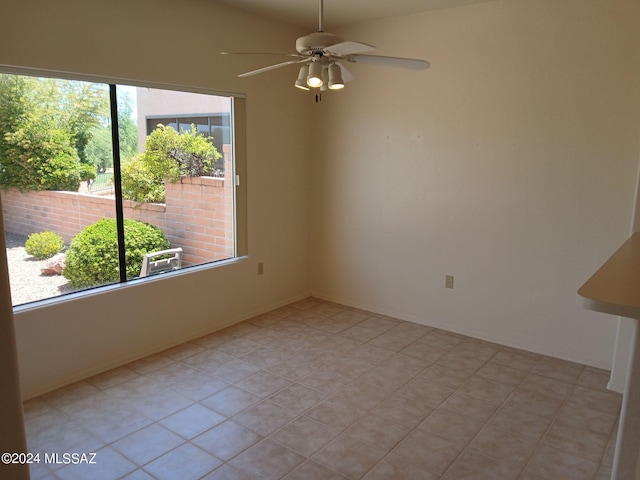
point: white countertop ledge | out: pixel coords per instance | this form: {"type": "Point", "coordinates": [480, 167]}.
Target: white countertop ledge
{"type": "Point", "coordinates": [615, 287]}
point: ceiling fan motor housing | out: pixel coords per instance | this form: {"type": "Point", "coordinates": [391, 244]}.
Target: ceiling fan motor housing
{"type": "Point", "coordinates": [316, 42]}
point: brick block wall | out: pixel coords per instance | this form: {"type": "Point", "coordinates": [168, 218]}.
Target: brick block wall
{"type": "Point", "coordinates": [197, 214]}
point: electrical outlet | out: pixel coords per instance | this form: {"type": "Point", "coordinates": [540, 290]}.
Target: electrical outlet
{"type": "Point", "coordinates": [448, 281]}
{"type": "Point", "coordinates": [260, 268]}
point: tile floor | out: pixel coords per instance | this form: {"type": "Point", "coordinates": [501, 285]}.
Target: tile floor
{"type": "Point", "coordinates": [316, 390]}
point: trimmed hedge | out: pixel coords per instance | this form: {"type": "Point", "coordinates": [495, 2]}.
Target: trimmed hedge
{"type": "Point", "coordinates": [92, 257]}
{"type": "Point", "coordinates": [44, 244]}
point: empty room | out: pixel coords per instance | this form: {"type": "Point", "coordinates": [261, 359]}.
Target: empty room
{"type": "Point", "coordinates": [374, 275]}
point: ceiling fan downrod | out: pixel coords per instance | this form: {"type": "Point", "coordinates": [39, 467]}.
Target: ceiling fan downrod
{"type": "Point", "coordinates": [320, 17]}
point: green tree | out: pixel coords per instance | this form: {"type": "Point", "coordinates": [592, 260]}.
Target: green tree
{"type": "Point", "coordinates": [99, 148]}
{"type": "Point", "coordinates": [127, 128]}
{"type": "Point", "coordinates": [38, 156]}
{"type": "Point", "coordinates": [45, 125]}
{"type": "Point", "coordinates": [168, 156]}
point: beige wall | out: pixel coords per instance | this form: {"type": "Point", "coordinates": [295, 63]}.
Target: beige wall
{"type": "Point", "coordinates": [511, 164]}
{"type": "Point", "coordinates": [145, 41]}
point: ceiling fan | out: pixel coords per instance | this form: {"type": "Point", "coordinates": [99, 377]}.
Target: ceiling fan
{"type": "Point", "coordinates": [321, 55]}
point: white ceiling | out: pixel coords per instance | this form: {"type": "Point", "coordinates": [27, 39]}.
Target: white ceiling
{"type": "Point", "coordinates": [304, 13]}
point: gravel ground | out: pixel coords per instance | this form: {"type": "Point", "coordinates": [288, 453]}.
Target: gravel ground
{"type": "Point", "coordinates": [27, 284]}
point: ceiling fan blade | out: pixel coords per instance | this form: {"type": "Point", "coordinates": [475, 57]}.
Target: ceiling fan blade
{"type": "Point", "coordinates": [264, 53]}
{"type": "Point", "coordinates": [347, 76]}
{"type": "Point", "coordinates": [410, 63]}
{"type": "Point", "coordinates": [349, 48]}
{"type": "Point", "coordinates": [272, 67]}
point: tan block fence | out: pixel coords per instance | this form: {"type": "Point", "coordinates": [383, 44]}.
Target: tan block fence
{"type": "Point", "coordinates": [197, 214]}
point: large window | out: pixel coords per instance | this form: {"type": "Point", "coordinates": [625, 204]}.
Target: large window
{"type": "Point", "coordinates": [106, 183]}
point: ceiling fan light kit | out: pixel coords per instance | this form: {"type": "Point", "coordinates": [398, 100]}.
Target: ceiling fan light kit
{"type": "Point", "coordinates": [320, 53]}
{"type": "Point", "coordinates": [314, 80]}
{"type": "Point", "coordinates": [301, 82]}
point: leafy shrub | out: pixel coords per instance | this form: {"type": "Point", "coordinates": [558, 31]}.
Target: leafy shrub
{"type": "Point", "coordinates": [140, 183]}
{"type": "Point", "coordinates": [40, 157]}
{"type": "Point", "coordinates": [92, 257]}
{"type": "Point", "coordinates": [168, 156]}
{"type": "Point", "coordinates": [44, 244]}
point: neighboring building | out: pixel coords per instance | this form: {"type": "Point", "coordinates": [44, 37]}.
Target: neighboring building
{"type": "Point", "coordinates": [181, 110]}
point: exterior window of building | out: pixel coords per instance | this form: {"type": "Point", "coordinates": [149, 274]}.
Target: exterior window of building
{"type": "Point", "coordinates": [79, 214]}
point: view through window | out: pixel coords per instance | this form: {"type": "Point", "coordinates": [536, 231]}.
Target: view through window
{"type": "Point", "coordinates": [79, 215]}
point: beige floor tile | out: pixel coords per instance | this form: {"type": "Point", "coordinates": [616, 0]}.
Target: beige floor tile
{"type": "Point", "coordinates": [173, 373]}
{"type": "Point", "coordinates": [226, 472]}
{"type": "Point", "coordinates": [296, 393]}
{"type": "Point", "coordinates": [267, 460]}
{"type": "Point", "coordinates": [136, 388]}
{"type": "Point", "coordinates": [263, 383]}
{"type": "Point", "coordinates": [296, 367]}
{"type": "Point", "coordinates": [546, 386]}
{"type": "Point", "coordinates": [230, 401]}
{"type": "Point", "coordinates": [595, 379]}
{"type": "Point", "coordinates": [517, 359]}
{"type": "Point", "coordinates": [298, 398]}
{"type": "Point", "coordinates": [512, 449]}
{"type": "Point", "coordinates": [470, 406]}
{"type": "Point", "coordinates": [586, 418]}
{"type": "Point", "coordinates": [404, 411]}
{"type": "Point", "coordinates": [112, 426]}
{"type": "Point", "coordinates": [260, 338]}
{"type": "Point", "coordinates": [441, 338]}
{"type": "Point", "coordinates": [304, 435]}
{"type": "Point", "coordinates": [311, 470]}
{"type": "Point", "coordinates": [192, 421]}
{"type": "Point", "coordinates": [488, 390]}
{"type": "Point", "coordinates": [392, 341]}
{"type": "Point", "coordinates": [378, 431]}
{"type": "Point", "coordinates": [541, 405]}
{"type": "Point", "coordinates": [150, 363]}
{"type": "Point", "coordinates": [109, 464]}
{"type": "Point", "coordinates": [183, 351]}
{"type": "Point", "coordinates": [443, 375]}
{"type": "Point", "coordinates": [454, 428]}
{"type": "Point", "coordinates": [234, 371]}
{"type": "Point", "coordinates": [399, 471]}
{"type": "Point", "coordinates": [336, 413]}
{"type": "Point", "coordinates": [227, 440]}
{"type": "Point", "coordinates": [66, 439]}
{"type": "Point", "coordinates": [198, 387]}
{"type": "Point", "coordinates": [519, 422]}
{"type": "Point", "coordinates": [604, 473]}
{"type": "Point", "coordinates": [425, 451]}
{"type": "Point", "coordinates": [371, 353]}
{"type": "Point", "coordinates": [339, 344]}
{"type": "Point", "coordinates": [186, 462]}
{"type": "Point", "coordinates": [605, 402]}
{"type": "Point", "coordinates": [326, 380]}
{"type": "Point", "coordinates": [147, 444]}
{"type": "Point", "coordinates": [422, 390]}
{"type": "Point", "coordinates": [550, 463]}
{"type": "Point", "coordinates": [609, 452]}
{"type": "Point", "coordinates": [425, 352]}
{"type": "Point", "coordinates": [582, 443]}
{"type": "Point", "coordinates": [74, 392]}
{"type": "Point", "coordinates": [502, 373]}
{"type": "Point", "coordinates": [472, 465]}
{"type": "Point", "coordinates": [160, 405]}
{"type": "Point", "coordinates": [558, 369]}
{"type": "Point", "coordinates": [112, 378]}
{"type": "Point", "coordinates": [362, 395]}
{"type": "Point", "coordinates": [208, 360]}
{"type": "Point", "coordinates": [349, 456]}
{"type": "Point", "coordinates": [265, 417]}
